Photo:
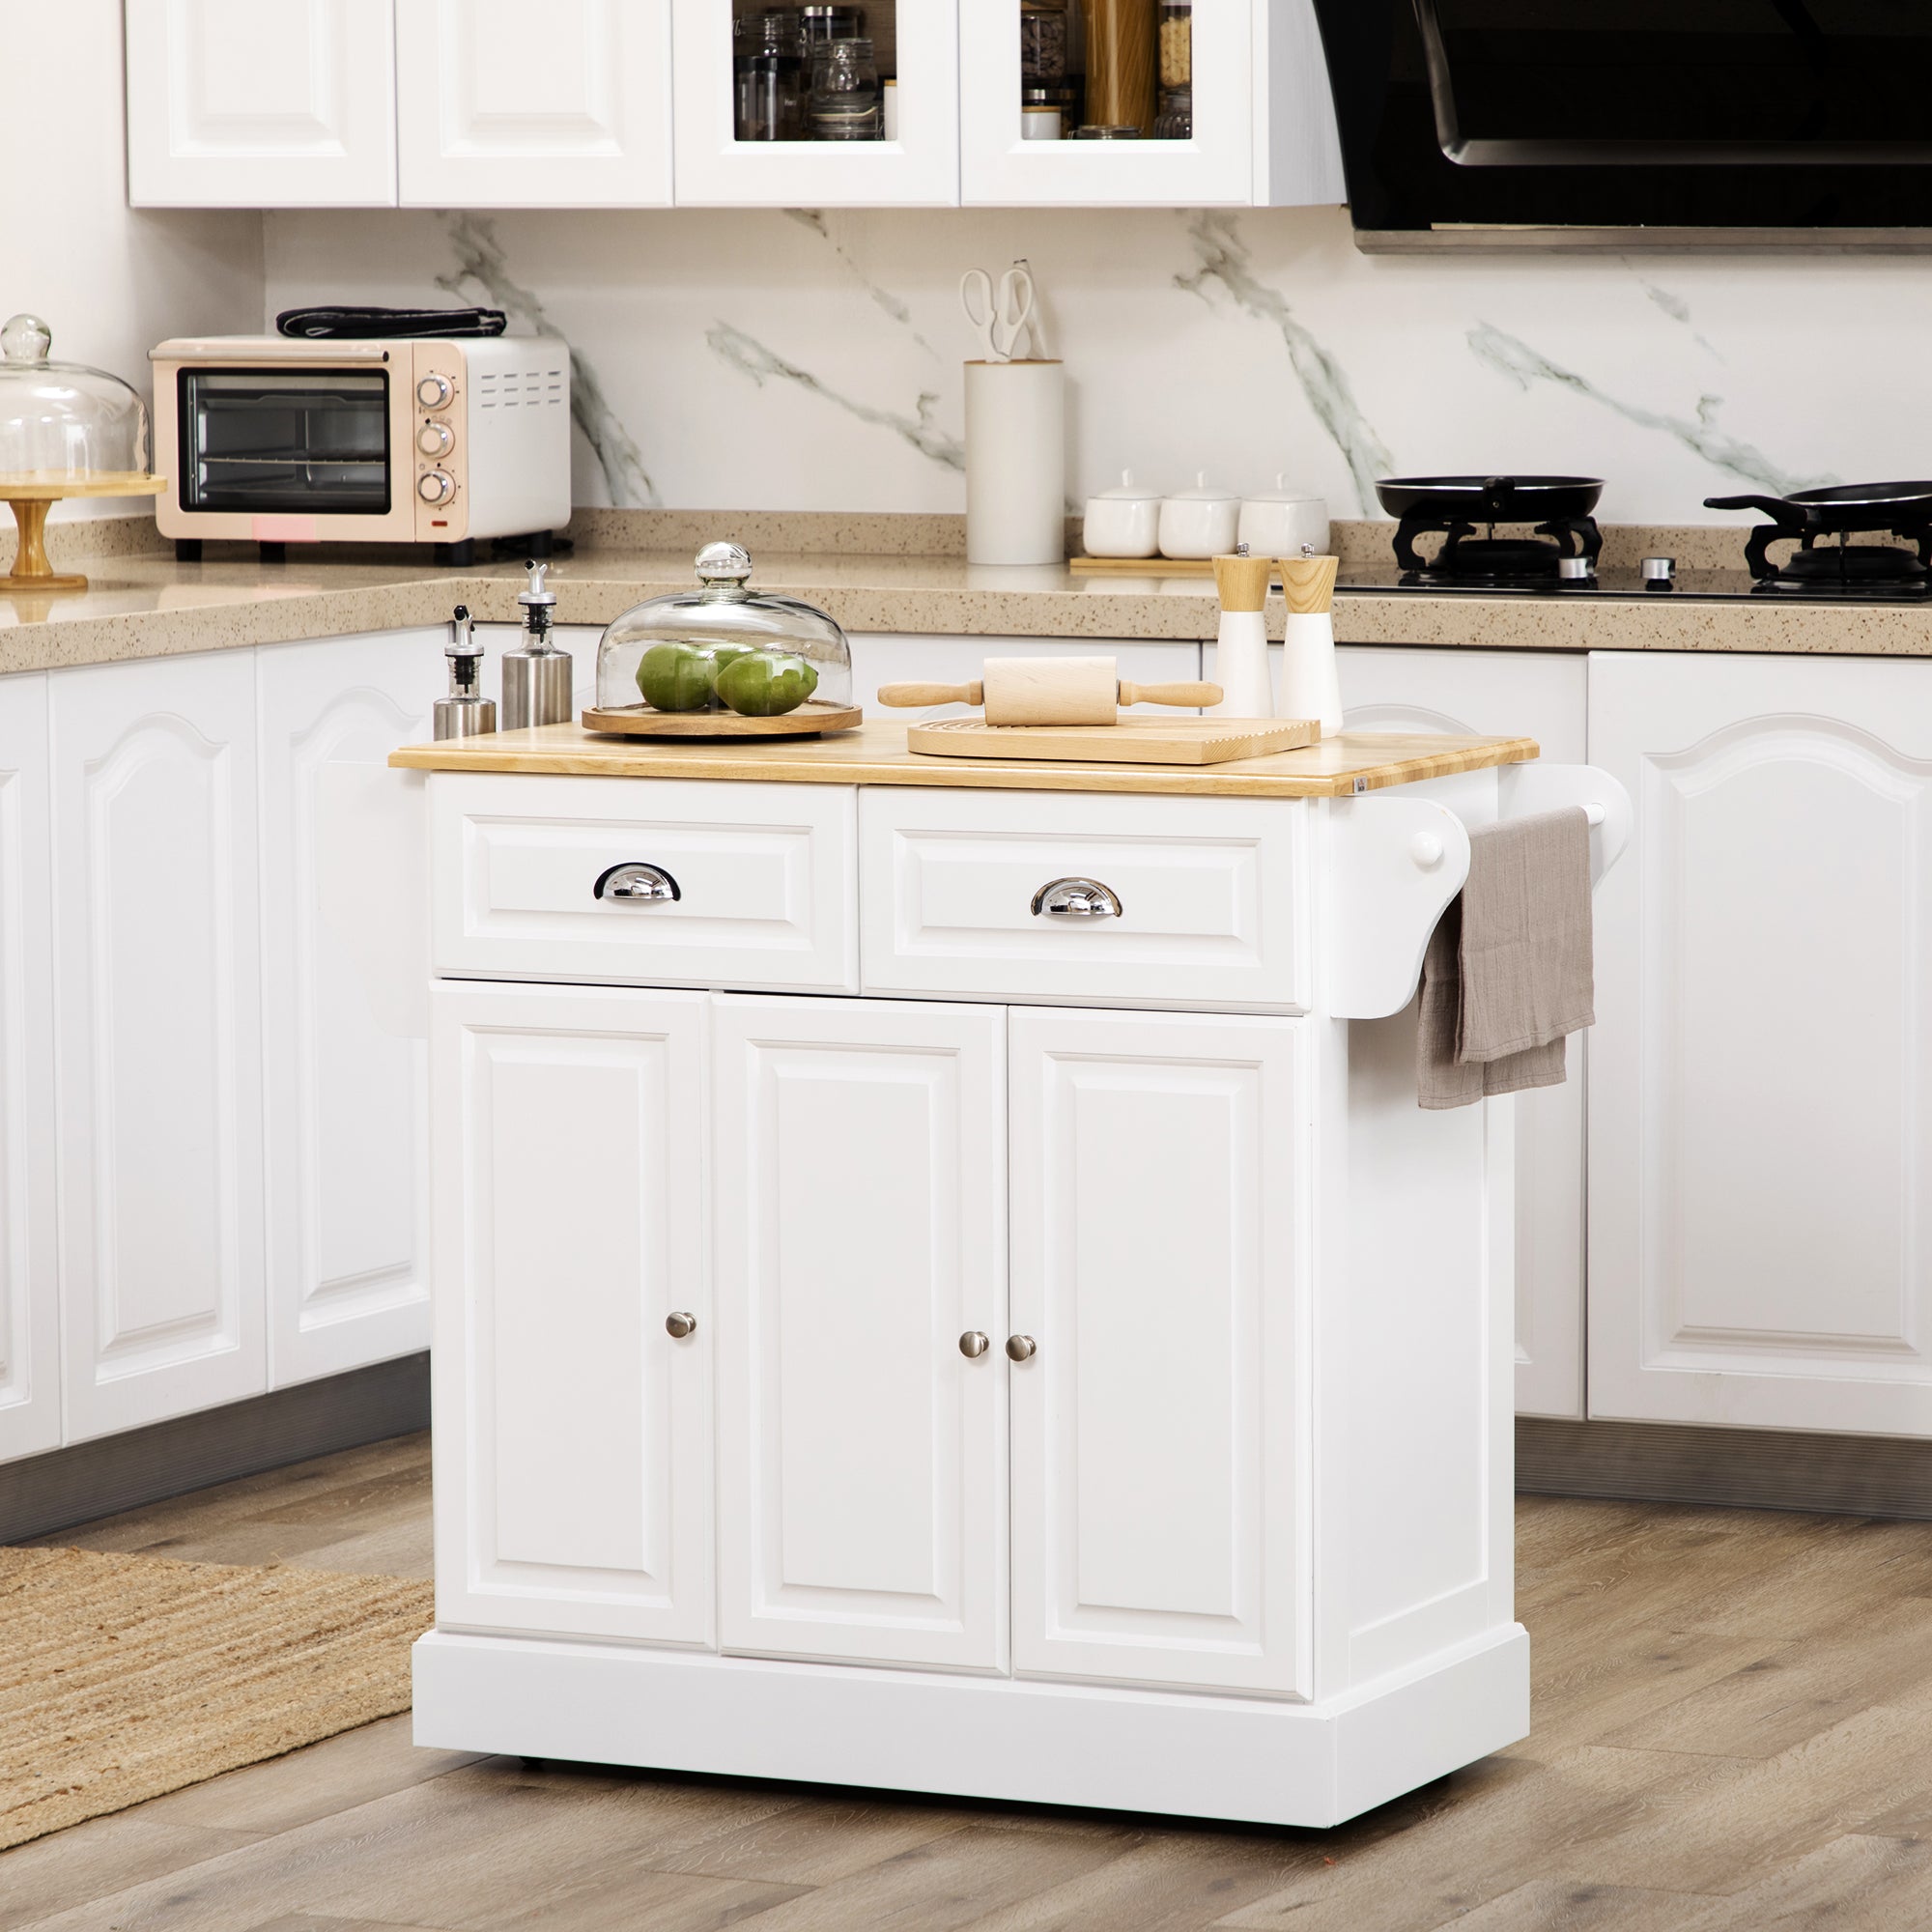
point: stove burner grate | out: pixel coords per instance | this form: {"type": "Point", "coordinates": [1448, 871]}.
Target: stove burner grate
{"type": "Point", "coordinates": [1506, 562]}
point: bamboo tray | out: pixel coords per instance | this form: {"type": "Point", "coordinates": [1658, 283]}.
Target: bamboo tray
{"type": "Point", "coordinates": [640, 720]}
{"type": "Point", "coordinates": [1133, 741]}
{"type": "Point", "coordinates": [31, 496]}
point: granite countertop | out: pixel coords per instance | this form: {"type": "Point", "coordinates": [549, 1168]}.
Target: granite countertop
{"type": "Point", "coordinates": [875, 755]}
{"type": "Point", "coordinates": [145, 605]}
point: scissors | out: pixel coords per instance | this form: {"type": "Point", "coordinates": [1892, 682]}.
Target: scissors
{"type": "Point", "coordinates": [1002, 315]}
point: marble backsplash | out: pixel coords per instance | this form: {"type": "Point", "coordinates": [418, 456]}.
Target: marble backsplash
{"type": "Point", "coordinates": [801, 360]}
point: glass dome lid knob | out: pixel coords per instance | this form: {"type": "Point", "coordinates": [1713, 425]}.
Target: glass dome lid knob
{"type": "Point", "coordinates": [26, 338]}
{"type": "Point", "coordinates": [724, 563]}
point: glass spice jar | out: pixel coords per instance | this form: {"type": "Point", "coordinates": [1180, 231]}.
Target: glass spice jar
{"type": "Point", "coordinates": [771, 94]}
{"type": "Point", "coordinates": [1177, 43]}
{"type": "Point", "coordinates": [1043, 42]}
{"type": "Point", "coordinates": [845, 104]}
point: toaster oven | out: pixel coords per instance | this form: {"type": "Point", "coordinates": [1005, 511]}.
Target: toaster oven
{"type": "Point", "coordinates": [279, 440]}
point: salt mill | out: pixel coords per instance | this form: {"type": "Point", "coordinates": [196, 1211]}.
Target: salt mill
{"type": "Point", "coordinates": [465, 712]}
{"type": "Point", "coordinates": [537, 678]}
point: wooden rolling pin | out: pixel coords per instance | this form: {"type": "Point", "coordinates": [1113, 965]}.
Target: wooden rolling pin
{"type": "Point", "coordinates": [1049, 691]}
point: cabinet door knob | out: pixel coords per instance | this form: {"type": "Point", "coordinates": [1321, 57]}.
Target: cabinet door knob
{"type": "Point", "coordinates": [973, 1344]}
{"type": "Point", "coordinates": [680, 1324]}
{"type": "Point", "coordinates": [1021, 1347]}
{"type": "Point", "coordinates": [636, 884]}
{"type": "Point", "coordinates": [1076, 898]}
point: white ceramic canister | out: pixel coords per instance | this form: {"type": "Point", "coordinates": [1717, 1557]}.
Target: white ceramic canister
{"type": "Point", "coordinates": [1123, 523]}
{"type": "Point", "coordinates": [1201, 522]}
{"type": "Point", "coordinates": [1016, 462]}
{"type": "Point", "coordinates": [1285, 522]}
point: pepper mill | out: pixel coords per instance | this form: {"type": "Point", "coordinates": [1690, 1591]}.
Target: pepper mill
{"type": "Point", "coordinates": [465, 712]}
{"type": "Point", "coordinates": [1241, 649]}
{"type": "Point", "coordinates": [1310, 686]}
{"type": "Point", "coordinates": [537, 679]}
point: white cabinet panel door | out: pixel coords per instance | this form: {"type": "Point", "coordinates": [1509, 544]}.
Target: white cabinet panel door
{"type": "Point", "coordinates": [573, 1486]}
{"type": "Point", "coordinates": [1760, 1166]}
{"type": "Point", "coordinates": [534, 103]}
{"type": "Point", "coordinates": [1160, 1230]}
{"type": "Point", "coordinates": [919, 169]}
{"type": "Point", "coordinates": [346, 1119]}
{"type": "Point", "coordinates": [1000, 168]}
{"type": "Point", "coordinates": [157, 955]}
{"type": "Point", "coordinates": [237, 103]}
{"type": "Point", "coordinates": [1545, 696]}
{"type": "Point", "coordinates": [30, 1393]}
{"type": "Point", "coordinates": [859, 1233]}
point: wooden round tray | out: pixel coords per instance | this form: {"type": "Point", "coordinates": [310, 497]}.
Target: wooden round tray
{"type": "Point", "coordinates": [640, 720]}
{"type": "Point", "coordinates": [30, 495]}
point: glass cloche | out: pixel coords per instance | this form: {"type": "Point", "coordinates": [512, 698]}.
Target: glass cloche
{"type": "Point", "coordinates": [724, 653]}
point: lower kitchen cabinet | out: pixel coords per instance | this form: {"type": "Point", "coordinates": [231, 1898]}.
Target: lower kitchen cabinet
{"type": "Point", "coordinates": [573, 1441]}
{"type": "Point", "coordinates": [346, 1138]}
{"type": "Point", "coordinates": [1161, 1233]}
{"type": "Point", "coordinates": [1543, 696]}
{"type": "Point", "coordinates": [158, 1041]}
{"type": "Point", "coordinates": [30, 1394]}
{"type": "Point", "coordinates": [860, 1234]}
{"type": "Point", "coordinates": [1761, 1076]}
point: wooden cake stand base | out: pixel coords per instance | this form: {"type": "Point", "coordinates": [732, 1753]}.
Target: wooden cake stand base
{"type": "Point", "coordinates": [31, 497]}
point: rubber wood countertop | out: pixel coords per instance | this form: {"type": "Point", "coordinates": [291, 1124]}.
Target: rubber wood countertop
{"type": "Point", "coordinates": [875, 753]}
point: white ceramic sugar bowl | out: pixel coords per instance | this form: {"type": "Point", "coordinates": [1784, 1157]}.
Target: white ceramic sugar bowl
{"type": "Point", "coordinates": [1280, 521]}
{"type": "Point", "coordinates": [1123, 521]}
{"type": "Point", "coordinates": [1201, 522]}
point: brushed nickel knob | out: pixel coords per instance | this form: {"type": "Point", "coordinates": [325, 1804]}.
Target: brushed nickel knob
{"type": "Point", "coordinates": [434, 392]}
{"type": "Point", "coordinates": [973, 1344]}
{"type": "Point", "coordinates": [679, 1325]}
{"type": "Point", "coordinates": [1022, 1348]}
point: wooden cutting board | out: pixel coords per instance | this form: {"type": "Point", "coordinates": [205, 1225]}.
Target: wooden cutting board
{"type": "Point", "coordinates": [1133, 741]}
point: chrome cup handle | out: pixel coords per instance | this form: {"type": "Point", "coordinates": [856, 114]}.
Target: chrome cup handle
{"type": "Point", "coordinates": [636, 884]}
{"type": "Point", "coordinates": [1076, 898]}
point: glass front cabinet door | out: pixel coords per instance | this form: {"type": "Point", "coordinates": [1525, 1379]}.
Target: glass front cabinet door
{"type": "Point", "coordinates": [816, 105]}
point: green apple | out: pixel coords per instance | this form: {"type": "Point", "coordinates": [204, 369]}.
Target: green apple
{"type": "Point", "coordinates": [767, 684]}
{"type": "Point", "coordinates": [677, 677]}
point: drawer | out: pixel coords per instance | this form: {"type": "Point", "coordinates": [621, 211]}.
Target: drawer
{"type": "Point", "coordinates": [763, 878]}
{"type": "Point", "coordinates": [1211, 890]}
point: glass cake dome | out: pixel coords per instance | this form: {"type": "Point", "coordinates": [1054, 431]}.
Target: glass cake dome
{"type": "Point", "coordinates": [62, 422]}
{"type": "Point", "coordinates": [722, 650]}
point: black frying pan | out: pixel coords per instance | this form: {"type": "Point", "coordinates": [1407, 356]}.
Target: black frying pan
{"type": "Point", "coordinates": [1849, 507]}
{"type": "Point", "coordinates": [1491, 500]}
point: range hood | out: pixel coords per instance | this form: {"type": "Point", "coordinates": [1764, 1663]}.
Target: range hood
{"type": "Point", "coordinates": [1614, 124]}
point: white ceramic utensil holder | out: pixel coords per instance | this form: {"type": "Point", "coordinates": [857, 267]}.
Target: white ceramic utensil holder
{"type": "Point", "coordinates": [1016, 462]}
{"type": "Point", "coordinates": [1310, 687]}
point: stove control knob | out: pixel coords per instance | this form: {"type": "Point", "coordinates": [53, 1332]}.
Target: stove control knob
{"type": "Point", "coordinates": [434, 392]}
{"type": "Point", "coordinates": [1659, 573]}
{"type": "Point", "coordinates": [1575, 569]}
{"type": "Point", "coordinates": [435, 486]}
{"type": "Point", "coordinates": [436, 439]}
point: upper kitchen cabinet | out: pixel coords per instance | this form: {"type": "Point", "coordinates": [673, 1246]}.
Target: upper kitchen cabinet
{"type": "Point", "coordinates": [534, 103]}
{"type": "Point", "coordinates": [882, 131]}
{"type": "Point", "coordinates": [1221, 104]}
{"type": "Point", "coordinates": [235, 104]}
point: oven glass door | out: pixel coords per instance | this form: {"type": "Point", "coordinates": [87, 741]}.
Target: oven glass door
{"type": "Point", "coordinates": [280, 440]}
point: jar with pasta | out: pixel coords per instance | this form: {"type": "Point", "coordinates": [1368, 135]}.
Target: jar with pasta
{"type": "Point", "coordinates": [1177, 43]}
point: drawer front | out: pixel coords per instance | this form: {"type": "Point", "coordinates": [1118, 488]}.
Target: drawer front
{"type": "Point", "coordinates": [763, 878]}
{"type": "Point", "coordinates": [1210, 894]}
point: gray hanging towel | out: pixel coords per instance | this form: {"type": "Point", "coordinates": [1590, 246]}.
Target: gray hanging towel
{"type": "Point", "coordinates": [1509, 973]}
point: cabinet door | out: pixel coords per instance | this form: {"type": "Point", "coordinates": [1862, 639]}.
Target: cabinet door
{"type": "Point", "coordinates": [484, 120]}
{"type": "Point", "coordinates": [898, 659]}
{"type": "Point", "coordinates": [232, 103]}
{"type": "Point", "coordinates": [347, 1230]}
{"type": "Point", "coordinates": [859, 1233]}
{"type": "Point", "coordinates": [916, 41]}
{"type": "Point", "coordinates": [1161, 1235]}
{"type": "Point", "coordinates": [1546, 696]}
{"type": "Point", "coordinates": [158, 958]}
{"type": "Point", "coordinates": [30, 1393]}
{"type": "Point", "coordinates": [573, 1489]}
{"type": "Point", "coordinates": [1761, 1076]}
{"type": "Point", "coordinates": [999, 167]}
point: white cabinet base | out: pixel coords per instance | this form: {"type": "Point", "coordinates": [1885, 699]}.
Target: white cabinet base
{"type": "Point", "coordinates": [1258, 1762]}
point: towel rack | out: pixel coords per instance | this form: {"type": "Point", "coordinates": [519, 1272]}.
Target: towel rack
{"type": "Point", "coordinates": [1594, 812]}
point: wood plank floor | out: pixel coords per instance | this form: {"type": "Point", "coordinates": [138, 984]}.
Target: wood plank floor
{"type": "Point", "coordinates": [1733, 1732]}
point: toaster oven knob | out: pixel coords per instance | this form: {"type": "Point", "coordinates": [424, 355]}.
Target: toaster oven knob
{"type": "Point", "coordinates": [435, 486]}
{"type": "Point", "coordinates": [436, 439]}
{"type": "Point", "coordinates": [434, 392]}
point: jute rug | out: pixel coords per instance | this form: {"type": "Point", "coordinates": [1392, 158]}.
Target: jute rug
{"type": "Point", "coordinates": [122, 1677]}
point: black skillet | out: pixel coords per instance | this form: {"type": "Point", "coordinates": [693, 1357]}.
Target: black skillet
{"type": "Point", "coordinates": [1490, 499]}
